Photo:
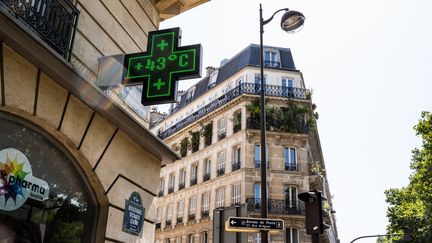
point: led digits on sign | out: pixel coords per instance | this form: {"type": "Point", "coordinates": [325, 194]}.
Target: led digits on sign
{"type": "Point", "coordinates": [162, 65]}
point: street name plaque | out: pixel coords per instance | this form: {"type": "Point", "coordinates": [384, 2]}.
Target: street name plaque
{"type": "Point", "coordinates": [162, 65]}
{"type": "Point", "coordinates": [239, 224]}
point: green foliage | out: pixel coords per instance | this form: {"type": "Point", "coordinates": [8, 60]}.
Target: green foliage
{"type": "Point", "coordinates": [295, 117]}
{"type": "Point", "coordinates": [195, 140]}
{"type": "Point", "coordinates": [412, 205]}
{"type": "Point", "coordinates": [184, 144]}
{"type": "Point", "coordinates": [68, 232]}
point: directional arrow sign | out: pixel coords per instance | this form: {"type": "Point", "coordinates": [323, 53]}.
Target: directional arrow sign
{"type": "Point", "coordinates": [162, 65]}
{"type": "Point", "coordinates": [239, 224]}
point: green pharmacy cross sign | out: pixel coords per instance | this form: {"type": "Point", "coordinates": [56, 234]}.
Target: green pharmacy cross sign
{"type": "Point", "coordinates": [162, 65]}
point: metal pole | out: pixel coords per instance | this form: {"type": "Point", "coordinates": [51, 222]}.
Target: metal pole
{"type": "Point", "coordinates": [370, 236]}
{"type": "Point", "coordinates": [315, 238]}
{"type": "Point", "coordinates": [264, 209]}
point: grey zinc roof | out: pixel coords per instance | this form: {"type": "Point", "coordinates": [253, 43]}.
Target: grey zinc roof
{"type": "Point", "coordinates": [247, 57]}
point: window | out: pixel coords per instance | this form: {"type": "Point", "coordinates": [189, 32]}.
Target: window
{"type": "Point", "coordinates": [205, 203]}
{"type": "Point", "coordinates": [194, 171]}
{"type": "Point", "coordinates": [207, 169]}
{"type": "Point", "coordinates": [192, 205]}
{"type": "Point", "coordinates": [287, 87]}
{"type": "Point", "coordinates": [190, 94]}
{"type": "Point", "coordinates": [180, 206]}
{"type": "Point", "coordinates": [292, 235]}
{"type": "Point", "coordinates": [161, 187]}
{"type": "Point", "coordinates": [290, 158]}
{"type": "Point", "coordinates": [257, 156]}
{"type": "Point", "coordinates": [182, 178]}
{"type": "Point", "coordinates": [169, 214]}
{"type": "Point", "coordinates": [257, 194]}
{"type": "Point", "coordinates": [237, 121]}
{"type": "Point", "coordinates": [190, 238]}
{"type": "Point", "coordinates": [290, 193]}
{"type": "Point", "coordinates": [271, 59]}
{"type": "Point", "coordinates": [236, 158]}
{"type": "Point", "coordinates": [204, 237]}
{"type": "Point", "coordinates": [171, 183]}
{"type": "Point", "coordinates": [158, 218]}
{"type": "Point", "coordinates": [178, 239]}
{"type": "Point", "coordinates": [221, 163]}
{"type": "Point", "coordinates": [222, 128]}
{"type": "Point", "coordinates": [213, 78]}
{"type": "Point", "coordinates": [220, 197]}
{"type": "Point", "coordinates": [235, 193]}
{"type": "Point", "coordinates": [257, 81]}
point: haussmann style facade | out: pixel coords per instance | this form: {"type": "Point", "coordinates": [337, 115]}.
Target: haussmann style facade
{"type": "Point", "coordinates": [71, 154]}
{"type": "Point", "coordinates": [215, 128]}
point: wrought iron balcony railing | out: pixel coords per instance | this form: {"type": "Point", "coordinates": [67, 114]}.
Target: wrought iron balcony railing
{"type": "Point", "coordinates": [220, 171]}
{"type": "Point", "coordinates": [158, 225]}
{"type": "Point", "coordinates": [206, 177]}
{"type": "Point", "coordinates": [179, 221]}
{"type": "Point", "coordinates": [244, 88]}
{"type": "Point", "coordinates": [236, 166]}
{"type": "Point", "coordinates": [221, 136]}
{"type": "Point", "coordinates": [193, 181]}
{"type": "Point", "coordinates": [161, 193]}
{"type": "Point", "coordinates": [54, 21]}
{"type": "Point", "coordinates": [168, 223]}
{"type": "Point", "coordinates": [191, 217]}
{"type": "Point", "coordinates": [170, 190]}
{"type": "Point", "coordinates": [286, 207]}
{"type": "Point", "coordinates": [204, 214]}
{"type": "Point", "coordinates": [181, 186]}
{"type": "Point", "coordinates": [291, 167]}
{"type": "Point", "coordinates": [255, 124]}
{"type": "Point", "coordinates": [268, 63]}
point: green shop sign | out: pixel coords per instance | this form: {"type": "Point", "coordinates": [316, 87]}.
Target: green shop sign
{"type": "Point", "coordinates": [164, 63]}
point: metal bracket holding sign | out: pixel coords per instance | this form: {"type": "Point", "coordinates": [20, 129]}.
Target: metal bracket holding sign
{"type": "Point", "coordinates": [253, 225]}
{"type": "Point", "coordinates": [133, 218]}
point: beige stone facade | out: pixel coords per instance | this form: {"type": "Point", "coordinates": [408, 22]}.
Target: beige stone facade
{"type": "Point", "coordinates": [109, 145]}
{"type": "Point", "coordinates": [296, 179]}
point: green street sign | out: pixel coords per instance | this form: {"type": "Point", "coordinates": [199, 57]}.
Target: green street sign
{"type": "Point", "coordinates": [162, 65]}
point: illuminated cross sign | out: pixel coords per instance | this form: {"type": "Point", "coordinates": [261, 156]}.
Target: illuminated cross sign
{"type": "Point", "coordinates": [162, 65]}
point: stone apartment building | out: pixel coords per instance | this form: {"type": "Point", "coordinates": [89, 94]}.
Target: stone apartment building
{"type": "Point", "coordinates": [70, 154]}
{"type": "Point", "coordinates": [214, 126]}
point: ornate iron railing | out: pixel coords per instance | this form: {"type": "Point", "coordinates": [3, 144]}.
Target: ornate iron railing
{"type": "Point", "coordinates": [158, 225]}
{"type": "Point", "coordinates": [181, 186]}
{"type": "Point", "coordinates": [220, 171]}
{"type": "Point", "coordinates": [179, 221]}
{"type": "Point", "coordinates": [170, 190]}
{"type": "Point", "coordinates": [206, 177]}
{"type": "Point", "coordinates": [236, 166]}
{"type": "Point", "coordinates": [204, 214]}
{"type": "Point", "coordinates": [191, 217]}
{"type": "Point", "coordinates": [287, 207]}
{"type": "Point", "coordinates": [256, 125]}
{"type": "Point", "coordinates": [193, 181]}
{"type": "Point", "coordinates": [161, 193]}
{"type": "Point", "coordinates": [55, 21]}
{"type": "Point", "coordinates": [244, 88]}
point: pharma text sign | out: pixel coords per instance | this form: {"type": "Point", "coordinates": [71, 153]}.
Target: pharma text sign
{"type": "Point", "coordinates": [162, 65]}
{"type": "Point", "coordinates": [133, 218]}
{"type": "Point", "coordinates": [240, 224]}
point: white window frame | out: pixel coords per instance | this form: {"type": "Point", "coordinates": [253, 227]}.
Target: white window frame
{"type": "Point", "coordinates": [236, 193]}
{"type": "Point", "coordinates": [291, 235]}
{"type": "Point", "coordinates": [169, 212]}
{"type": "Point", "coordinates": [220, 197]}
{"type": "Point", "coordinates": [192, 205]}
{"type": "Point", "coordinates": [194, 171]}
{"type": "Point", "coordinates": [171, 180]}
{"type": "Point", "coordinates": [180, 209]}
{"type": "Point", "coordinates": [207, 166]}
{"type": "Point", "coordinates": [162, 185]}
{"type": "Point", "coordinates": [287, 160]}
{"type": "Point", "coordinates": [222, 125]}
{"type": "Point", "coordinates": [291, 198]}
{"type": "Point", "coordinates": [204, 237]}
{"type": "Point", "coordinates": [159, 215]}
{"type": "Point", "coordinates": [221, 160]}
{"type": "Point", "coordinates": [205, 203]}
{"type": "Point", "coordinates": [236, 154]}
{"type": "Point", "coordinates": [182, 177]}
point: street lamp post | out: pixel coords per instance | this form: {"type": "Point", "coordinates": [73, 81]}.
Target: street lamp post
{"type": "Point", "coordinates": [291, 22]}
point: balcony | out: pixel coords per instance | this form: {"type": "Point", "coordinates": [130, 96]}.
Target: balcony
{"type": "Point", "coordinates": [236, 128]}
{"type": "Point", "coordinates": [221, 136]}
{"type": "Point", "coordinates": [158, 225]}
{"type": "Point", "coordinates": [235, 166]}
{"type": "Point", "coordinates": [193, 182]}
{"type": "Point", "coordinates": [254, 123]}
{"type": "Point", "coordinates": [274, 64]}
{"type": "Point", "coordinates": [181, 186]}
{"type": "Point", "coordinates": [206, 177]}
{"type": "Point", "coordinates": [179, 221]}
{"type": "Point", "coordinates": [170, 190]}
{"type": "Point", "coordinates": [205, 214]}
{"type": "Point", "coordinates": [258, 164]}
{"type": "Point", "coordinates": [291, 167]}
{"type": "Point", "coordinates": [191, 217]}
{"type": "Point", "coordinates": [54, 21]}
{"type": "Point", "coordinates": [168, 223]}
{"type": "Point", "coordinates": [207, 141]}
{"type": "Point", "coordinates": [220, 171]}
{"type": "Point", "coordinates": [161, 193]}
{"type": "Point", "coordinates": [285, 207]}
{"type": "Point", "coordinates": [244, 88]}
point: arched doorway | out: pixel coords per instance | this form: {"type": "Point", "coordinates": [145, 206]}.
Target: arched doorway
{"type": "Point", "coordinates": [44, 195]}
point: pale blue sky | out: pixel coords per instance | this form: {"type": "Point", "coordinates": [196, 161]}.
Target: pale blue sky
{"type": "Point", "coordinates": [369, 65]}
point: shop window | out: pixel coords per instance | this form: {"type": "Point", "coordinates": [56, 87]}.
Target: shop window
{"type": "Point", "coordinates": [58, 200]}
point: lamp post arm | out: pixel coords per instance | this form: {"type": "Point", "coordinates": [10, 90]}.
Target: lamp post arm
{"type": "Point", "coordinates": [370, 236]}
{"type": "Point", "coordinates": [264, 22]}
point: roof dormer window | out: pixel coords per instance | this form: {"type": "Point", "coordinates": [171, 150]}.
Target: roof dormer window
{"type": "Point", "coordinates": [213, 78]}
{"type": "Point", "coordinates": [190, 94]}
{"type": "Point", "coordinates": [271, 58]}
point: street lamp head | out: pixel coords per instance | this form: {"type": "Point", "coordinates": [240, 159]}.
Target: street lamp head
{"type": "Point", "coordinates": [292, 21]}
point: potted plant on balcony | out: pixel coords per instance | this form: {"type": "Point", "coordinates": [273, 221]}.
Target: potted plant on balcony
{"type": "Point", "coordinates": [236, 121]}
{"type": "Point", "coordinates": [207, 133]}
{"type": "Point", "coordinates": [195, 140]}
{"type": "Point", "coordinates": [184, 144]}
